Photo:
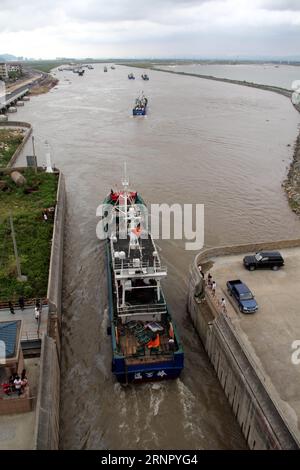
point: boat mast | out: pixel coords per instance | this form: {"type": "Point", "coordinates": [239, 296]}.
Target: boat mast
{"type": "Point", "coordinates": [125, 184]}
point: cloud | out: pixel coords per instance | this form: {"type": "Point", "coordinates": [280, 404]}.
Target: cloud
{"type": "Point", "coordinates": [129, 27]}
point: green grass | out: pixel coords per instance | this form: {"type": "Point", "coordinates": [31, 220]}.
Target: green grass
{"type": "Point", "coordinates": [9, 142]}
{"type": "Point", "coordinates": [44, 65]}
{"type": "Point", "coordinates": [33, 235]}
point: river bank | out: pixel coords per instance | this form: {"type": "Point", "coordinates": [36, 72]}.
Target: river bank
{"type": "Point", "coordinates": [45, 84]}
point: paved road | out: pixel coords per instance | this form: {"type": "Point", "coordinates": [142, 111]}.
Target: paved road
{"type": "Point", "coordinates": [270, 332]}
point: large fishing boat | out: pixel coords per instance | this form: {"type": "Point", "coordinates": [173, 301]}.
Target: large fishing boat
{"type": "Point", "coordinates": [140, 107]}
{"type": "Point", "coordinates": [145, 76]}
{"type": "Point", "coordinates": [145, 343]}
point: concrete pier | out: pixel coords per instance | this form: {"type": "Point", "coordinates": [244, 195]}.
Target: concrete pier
{"type": "Point", "coordinates": [252, 354]}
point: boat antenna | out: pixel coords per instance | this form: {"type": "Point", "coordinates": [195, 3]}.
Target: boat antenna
{"type": "Point", "coordinates": [125, 181]}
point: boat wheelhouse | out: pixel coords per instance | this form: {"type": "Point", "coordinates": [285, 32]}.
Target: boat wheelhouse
{"type": "Point", "coordinates": [145, 342]}
{"type": "Point", "coordinates": [140, 108]}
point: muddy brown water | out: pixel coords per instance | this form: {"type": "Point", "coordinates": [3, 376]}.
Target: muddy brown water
{"type": "Point", "coordinates": [202, 142]}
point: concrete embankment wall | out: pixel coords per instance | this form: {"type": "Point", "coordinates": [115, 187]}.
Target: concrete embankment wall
{"type": "Point", "coordinates": [47, 406]}
{"type": "Point", "coordinates": [54, 294]}
{"type": "Point", "coordinates": [47, 411]}
{"type": "Point", "coordinates": [253, 402]}
{"type": "Point", "coordinates": [28, 133]}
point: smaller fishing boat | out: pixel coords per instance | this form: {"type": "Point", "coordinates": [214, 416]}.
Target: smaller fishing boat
{"type": "Point", "coordinates": [140, 107]}
{"type": "Point", "coordinates": [145, 76]}
{"type": "Point", "coordinates": [105, 69]}
{"type": "Point", "coordinates": [131, 76]}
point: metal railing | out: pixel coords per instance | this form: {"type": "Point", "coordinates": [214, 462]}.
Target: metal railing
{"type": "Point", "coordinates": [142, 309]}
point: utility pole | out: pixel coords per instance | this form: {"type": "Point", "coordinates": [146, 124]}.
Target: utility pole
{"type": "Point", "coordinates": [34, 155]}
{"type": "Point", "coordinates": [20, 277]}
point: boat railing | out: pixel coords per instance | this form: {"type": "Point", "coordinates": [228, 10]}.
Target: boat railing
{"type": "Point", "coordinates": [152, 265]}
{"type": "Point", "coordinates": [142, 309]}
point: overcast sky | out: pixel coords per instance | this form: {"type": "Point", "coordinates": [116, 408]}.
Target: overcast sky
{"type": "Point", "coordinates": [149, 28]}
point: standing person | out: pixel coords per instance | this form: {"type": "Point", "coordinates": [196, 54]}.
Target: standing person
{"type": "Point", "coordinates": [24, 379]}
{"type": "Point", "coordinates": [37, 303]}
{"type": "Point", "coordinates": [209, 280]}
{"type": "Point", "coordinates": [201, 272]}
{"type": "Point", "coordinates": [11, 307]}
{"type": "Point", "coordinates": [18, 385]}
{"type": "Point", "coordinates": [213, 288]}
{"type": "Point", "coordinates": [21, 303]}
{"type": "Point", "coordinates": [223, 305]}
{"type": "Point", "coordinates": [37, 314]}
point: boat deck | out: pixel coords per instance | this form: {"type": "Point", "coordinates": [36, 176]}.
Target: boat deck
{"type": "Point", "coordinates": [144, 252]}
{"type": "Point", "coordinates": [133, 344]}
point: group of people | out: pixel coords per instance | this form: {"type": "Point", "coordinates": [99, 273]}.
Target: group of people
{"type": "Point", "coordinates": [16, 383]}
{"type": "Point", "coordinates": [21, 305]}
{"type": "Point", "coordinates": [213, 285]}
{"type": "Point", "coordinates": [37, 309]}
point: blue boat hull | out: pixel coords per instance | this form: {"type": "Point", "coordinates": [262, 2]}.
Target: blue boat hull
{"type": "Point", "coordinates": [139, 112]}
{"type": "Point", "coordinates": [147, 371]}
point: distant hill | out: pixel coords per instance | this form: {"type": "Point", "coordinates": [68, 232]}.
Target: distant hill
{"type": "Point", "coordinates": [8, 57]}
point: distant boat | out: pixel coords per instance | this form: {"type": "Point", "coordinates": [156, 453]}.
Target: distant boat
{"type": "Point", "coordinates": [113, 67]}
{"type": "Point", "coordinates": [140, 107]}
{"type": "Point", "coordinates": [79, 71]}
{"type": "Point", "coordinates": [145, 76]}
{"type": "Point", "coordinates": [131, 76]}
{"type": "Point", "coordinates": [105, 69]}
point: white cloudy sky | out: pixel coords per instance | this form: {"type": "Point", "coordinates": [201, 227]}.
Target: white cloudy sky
{"type": "Point", "coordinates": [149, 28]}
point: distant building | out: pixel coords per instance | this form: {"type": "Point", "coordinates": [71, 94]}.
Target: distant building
{"type": "Point", "coordinates": [15, 67]}
{"type": "Point", "coordinates": [3, 71]}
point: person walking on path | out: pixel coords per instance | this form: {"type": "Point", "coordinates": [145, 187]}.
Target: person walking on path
{"type": "Point", "coordinates": [213, 288]}
{"type": "Point", "coordinates": [21, 303]}
{"type": "Point", "coordinates": [37, 314]}
{"type": "Point", "coordinates": [11, 308]}
{"type": "Point", "coordinates": [223, 305]}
